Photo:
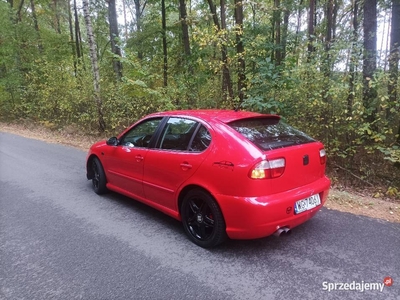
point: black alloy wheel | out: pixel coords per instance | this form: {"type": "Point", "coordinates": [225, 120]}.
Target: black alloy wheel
{"type": "Point", "coordinates": [99, 178]}
{"type": "Point", "coordinates": [202, 219]}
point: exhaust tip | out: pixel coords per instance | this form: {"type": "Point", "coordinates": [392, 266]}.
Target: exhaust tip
{"type": "Point", "coordinates": [287, 231]}
{"type": "Point", "coordinates": [282, 231]}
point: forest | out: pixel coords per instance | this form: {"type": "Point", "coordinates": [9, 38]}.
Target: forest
{"type": "Point", "coordinates": [328, 67]}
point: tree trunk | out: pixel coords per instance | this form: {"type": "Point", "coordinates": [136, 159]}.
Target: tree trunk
{"type": "Point", "coordinates": [19, 17]}
{"type": "Point", "coordinates": [95, 65]}
{"type": "Point", "coordinates": [185, 27]}
{"type": "Point", "coordinates": [78, 39]}
{"type": "Point", "coordinates": [138, 16]}
{"type": "Point", "coordinates": [298, 26]}
{"type": "Point", "coordinates": [334, 18]}
{"type": "Point", "coordinates": [114, 36]}
{"type": "Point", "coordinates": [327, 64]}
{"type": "Point", "coordinates": [227, 89]}
{"type": "Point", "coordinates": [240, 49]}
{"type": "Point", "coordinates": [311, 28]}
{"type": "Point", "coordinates": [125, 22]}
{"type": "Point", "coordinates": [285, 32]}
{"type": "Point", "coordinates": [213, 11]}
{"type": "Point", "coordinates": [277, 32]}
{"type": "Point", "coordinates": [394, 58]}
{"type": "Point", "coordinates": [71, 36]}
{"type": "Point", "coordinates": [57, 26]}
{"type": "Point", "coordinates": [164, 42]}
{"type": "Point", "coordinates": [353, 59]}
{"type": "Point", "coordinates": [329, 25]}
{"type": "Point", "coordinates": [36, 25]}
{"type": "Point", "coordinates": [369, 59]}
{"type": "Point", "coordinates": [398, 134]}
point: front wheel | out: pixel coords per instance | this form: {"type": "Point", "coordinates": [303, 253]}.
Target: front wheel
{"type": "Point", "coordinates": [99, 177]}
{"type": "Point", "coordinates": [202, 219]}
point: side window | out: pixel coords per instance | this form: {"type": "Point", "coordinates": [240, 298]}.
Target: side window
{"type": "Point", "coordinates": [177, 133]}
{"type": "Point", "coordinates": [201, 140]}
{"type": "Point", "coordinates": [141, 134]}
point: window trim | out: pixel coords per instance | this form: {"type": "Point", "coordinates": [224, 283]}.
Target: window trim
{"type": "Point", "coordinates": [154, 136]}
{"type": "Point", "coordinates": [157, 143]}
{"type": "Point", "coordinates": [194, 135]}
{"type": "Point", "coordinates": [192, 138]}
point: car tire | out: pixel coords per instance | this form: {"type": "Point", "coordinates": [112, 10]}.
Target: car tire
{"type": "Point", "coordinates": [99, 177]}
{"type": "Point", "coordinates": [202, 219]}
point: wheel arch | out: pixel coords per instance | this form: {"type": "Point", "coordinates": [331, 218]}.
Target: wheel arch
{"type": "Point", "coordinates": [89, 171]}
{"type": "Point", "coordinates": [191, 187]}
{"type": "Point", "coordinates": [218, 233]}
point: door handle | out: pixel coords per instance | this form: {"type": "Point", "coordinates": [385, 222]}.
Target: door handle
{"type": "Point", "coordinates": [139, 158]}
{"type": "Point", "coordinates": [185, 166]}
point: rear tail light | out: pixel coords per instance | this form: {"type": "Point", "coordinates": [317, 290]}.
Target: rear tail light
{"type": "Point", "coordinates": [322, 156]}
{"type": "Point", "coordinates": [267, 169]}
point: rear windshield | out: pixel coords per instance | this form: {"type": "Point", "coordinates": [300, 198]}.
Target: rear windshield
{"type": "Point", "coordinates": [270, 133]}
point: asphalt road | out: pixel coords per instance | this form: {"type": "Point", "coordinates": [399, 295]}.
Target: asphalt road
{"type": "Point", "coordinates": [59, 240]}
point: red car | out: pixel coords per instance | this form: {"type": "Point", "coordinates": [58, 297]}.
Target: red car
{"type": "Point", "coordinates": [223, 173]}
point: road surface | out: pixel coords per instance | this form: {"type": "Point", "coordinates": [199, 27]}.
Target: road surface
{"type": "Point", "coordinates": [59, 240]}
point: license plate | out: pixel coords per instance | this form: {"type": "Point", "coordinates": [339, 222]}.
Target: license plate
{"type": "Point", "coordinates": [307, 204]}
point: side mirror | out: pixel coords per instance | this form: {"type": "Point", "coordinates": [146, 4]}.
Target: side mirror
{"type": "Point", "coordinates": [113, 141]}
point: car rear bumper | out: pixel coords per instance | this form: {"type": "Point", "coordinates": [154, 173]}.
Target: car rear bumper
{"type": "Point", "coordinates": [256, 217]}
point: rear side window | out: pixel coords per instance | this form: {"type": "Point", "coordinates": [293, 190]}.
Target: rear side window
{"type": "Point", "coordinates": [270, 133]}
{"type": "Point", "coordinates": [201, 140]}
{"type": "Point", "coordinates": [177, 133]}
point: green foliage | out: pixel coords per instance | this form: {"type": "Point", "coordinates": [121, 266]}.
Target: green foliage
{"type": "Point", "coordinates": [54, 94]}
{"type": "Point", "coordinates": [267, 86]}
{"type": "Point", "coordinates": [392, 154]}
{"type": "Point", "coordinates": [310, 90]}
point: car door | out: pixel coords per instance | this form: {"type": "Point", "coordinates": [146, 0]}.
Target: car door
{"type": "Point", "coordinates": [181, 149]}
{"type": "Point", "coordinates": [126, 161]}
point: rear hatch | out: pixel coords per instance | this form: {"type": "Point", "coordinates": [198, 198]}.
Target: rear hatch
{"type": "Point", "coordinates": [293, 159]}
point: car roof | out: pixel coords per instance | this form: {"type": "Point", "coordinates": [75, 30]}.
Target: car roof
{"type": "Point", "coordinates": [223, 115]}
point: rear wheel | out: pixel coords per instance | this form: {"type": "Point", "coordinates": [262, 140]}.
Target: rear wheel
{"type": "Point", "coordinates": [202, 219]}
{"type": "Point", "coordinates": [99, 177]}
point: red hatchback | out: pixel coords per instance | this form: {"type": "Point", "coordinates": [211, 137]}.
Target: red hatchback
{"type": "Point", "coordinates": [223, 173]}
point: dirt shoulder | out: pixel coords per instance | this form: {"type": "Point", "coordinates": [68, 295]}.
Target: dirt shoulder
{"type": "Point", "coordinates": [344, 200]}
